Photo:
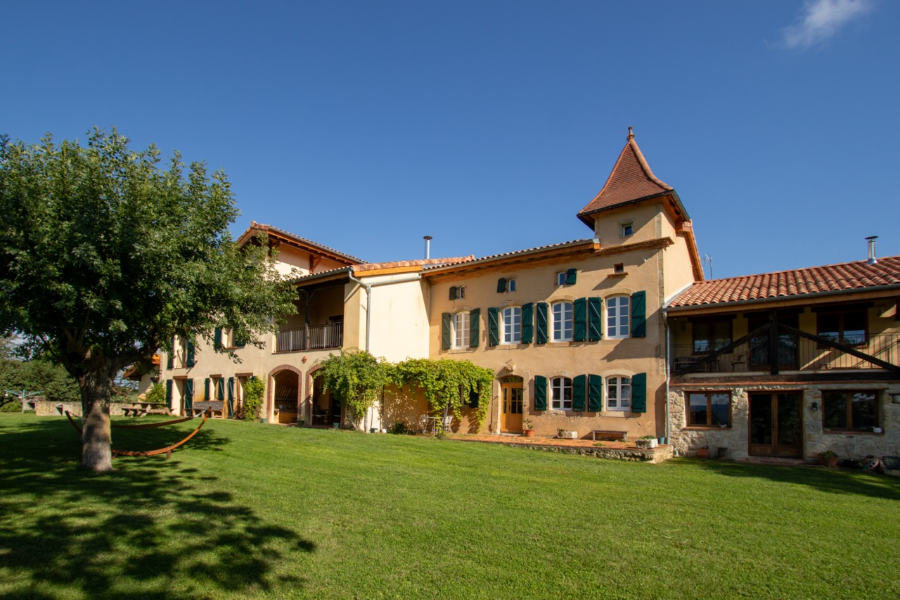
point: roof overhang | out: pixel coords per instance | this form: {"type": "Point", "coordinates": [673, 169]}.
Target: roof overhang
{"type": "Point", "coordinates": [799, 301]}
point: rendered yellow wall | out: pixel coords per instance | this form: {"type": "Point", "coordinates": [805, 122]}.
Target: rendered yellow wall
{"type": "Point", "coordinates": [644, 221]}
{"type": "Point", "coordinates": [625, 357]}
{"type": "Point", "coordinates": [399, 326]}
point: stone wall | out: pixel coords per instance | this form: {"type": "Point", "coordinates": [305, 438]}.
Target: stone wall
{"type": "Point", "coordinates": [857, 445]}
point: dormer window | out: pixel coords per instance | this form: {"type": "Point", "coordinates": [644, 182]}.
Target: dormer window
{"type": "Point", "coordinates": [627, 229]}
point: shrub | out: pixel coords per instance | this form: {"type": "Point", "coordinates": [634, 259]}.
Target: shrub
{"type": "Point", "coordinates": [253, 398]}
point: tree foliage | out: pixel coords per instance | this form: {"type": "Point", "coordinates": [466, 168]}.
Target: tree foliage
{"type": "Point", "coordinates": [354, 378]}
{"type": "Point", "coordinates": [447, 384]}
{"type": "Point", "coordinates": [105, 255]}
{"type": "Point", "coordinates": [39, 376]}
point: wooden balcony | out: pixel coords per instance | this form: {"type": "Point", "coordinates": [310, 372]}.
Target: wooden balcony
{"type": "Point", "coordinates": [793, 352]}
{"type": "Point", "coordinates": [320, 337]}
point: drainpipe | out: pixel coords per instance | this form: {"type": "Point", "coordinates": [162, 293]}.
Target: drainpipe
{"type": "Point", "coordinates": [369, 287]}
{"type": "Point", "coordinates": [668, 369]}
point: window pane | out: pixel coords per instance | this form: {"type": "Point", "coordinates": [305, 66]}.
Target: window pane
{"type": "Point", "coordinates": [864, 410]}
{"type": "Point", "coordinates": [720, 409]}
{"type": "Point", "coordinates": [835, 410]}
{"type": "Point", "coordinates": [697, 409]}
{"type": "Point", "coordinates": [830, 326]}
{"type": "Point", "coordinates": [855, 328]}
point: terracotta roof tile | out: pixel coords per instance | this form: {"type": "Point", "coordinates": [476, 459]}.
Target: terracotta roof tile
{"type": "Point", "coordinates": [799, 282]}
{"type": "Point", "coordinates": [305, 241]}
{"type": "Point", "coordinates": [430, 262]}
{"type": "Point", "coordinates": [631, 179]}
{"type": "Point", "coordinates": [472, 259]}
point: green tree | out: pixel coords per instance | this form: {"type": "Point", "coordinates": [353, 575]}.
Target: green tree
{"type": "Point", "coordinates": [354, 378]}
{"type": "Point", "coordinates": [105, 255]}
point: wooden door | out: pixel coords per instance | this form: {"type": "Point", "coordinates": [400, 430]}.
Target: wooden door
{"type": "Point", "coordinates": [776, 425]}
{"type": "Point", "coordinates": [511, 395]}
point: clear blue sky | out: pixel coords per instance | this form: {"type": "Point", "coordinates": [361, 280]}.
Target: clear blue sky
{"type": "Point", "coordinates": [488, 125]}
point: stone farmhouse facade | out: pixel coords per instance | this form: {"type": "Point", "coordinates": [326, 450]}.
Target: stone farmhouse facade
{"type": "Point", "coordinates": [617, 333]}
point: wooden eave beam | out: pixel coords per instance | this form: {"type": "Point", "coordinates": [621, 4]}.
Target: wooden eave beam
{"type": "Point", "coordinates": [712, 356]}
{"type": "Point", "coordinates": [800, 301]}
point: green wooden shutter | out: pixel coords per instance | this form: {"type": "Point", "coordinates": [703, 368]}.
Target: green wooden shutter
{"type": "Point", "coordinates": [220, 388]}
{"type": "Point", "coordinates": [474, 327]}
{"type": "Point", "coordinates": [540, 392]}
{"type": "Point", "coordinates": [639, 393]}
{"type": "Point", "coordinates": [454, 292]}
{"type": "Point", "coordinates": [238, 344]}
{"type": "Point", "coordinates": [595, 319]}
{"type": "Point", "coordinates": [579, 310]}
{"type": "Point", "coordinates": [169, 393]}
{"type": "Point", "coordinates": [501, 285]}
{"type": "Point", "coordinates": [639, 314]}
{"type": "Point", "coordinates": [188, 395]}
{"type": "Point", "coordinates": [595, 393]}
{"type": "Point", "coordinates": [217, 338]}
{"type": "Point", "coordinates": [170, 361]}
{"type": "Point", "coordinates": [527, 323]}
{"type": "Point", "coordinates": [578, 392]}
{"type": "Point", "coordinates": [206, 389]}
{"type": "Point", "coordinates": [571, 276]}
{"type": "Point", "coordinates": [445, 331]}
{"type": "Point", "coordinates": [230, 397]}
{"type": "Point", "coordinates": [540, 335]}
{"type": "Point", "coordinates": [493, 326]}
{"type": "Point", "coordinates": [190, 354]}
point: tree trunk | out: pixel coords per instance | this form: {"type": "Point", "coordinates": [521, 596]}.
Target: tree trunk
{"type": "Point", "coordinates": [96, 449]}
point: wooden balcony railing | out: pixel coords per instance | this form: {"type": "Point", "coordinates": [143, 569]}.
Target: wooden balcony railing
{"type": "Point", "coordinates": [313, 338]}
{"type": "Point", "coordinates": [794, 354]}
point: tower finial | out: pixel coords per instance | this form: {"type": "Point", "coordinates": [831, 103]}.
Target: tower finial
{"type": "Point", "coordinates": [630, 133]}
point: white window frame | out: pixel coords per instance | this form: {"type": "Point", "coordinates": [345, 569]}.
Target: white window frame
{"type": "Point", "coordinates": [511, 331]}
{"type": "Point", "coordinates": [561, 279]}
{"type": "Point", "coordinates": [625, 227]}
{"type": "Point", "coordinates": [458, 342]}
{"type": "Point", "coordinates": [562, 328]}
{"type": "Point", "coordinates": [558, 387]}
{"type": "Point", "coordinates": [460, 292]}
{"type": "Point", "coordinates": [615, 397]}
{"type": "Point", "coordinates": [510, 285]}
{"type": "Point", "coordinates": [615, 330]}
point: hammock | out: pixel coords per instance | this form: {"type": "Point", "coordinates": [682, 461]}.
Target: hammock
{"type": "Point", "coordinates": [167, 450]}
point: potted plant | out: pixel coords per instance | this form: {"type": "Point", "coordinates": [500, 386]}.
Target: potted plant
{"type": "Point", "coordinates": [565, 434]}
{"type": "Point", "coordinates": [528, 429]}
{"type": "Point", "coordinates": [647, 441]}
{"type": "Point", "coordinates": [703, 452]}
{"type": "Point", "coordinates": [829, 458]}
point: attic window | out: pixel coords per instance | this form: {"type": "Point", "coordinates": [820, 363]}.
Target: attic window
{"type": "Point", "coordinates": [619, 268]}
{"type": "Point", "coordinates": [511, 285]}
{"type": "Point", "coordinates": [457, 292]}
{"type": "Point", "coordinates": [627, 229]}
{"type": "Point", "coordinates": [561, 278]}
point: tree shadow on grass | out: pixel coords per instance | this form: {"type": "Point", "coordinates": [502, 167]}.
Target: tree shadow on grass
{"type": "Point", "coordinates": [822, 479]}
{"type": "Point", "coordinates": [154, 528]}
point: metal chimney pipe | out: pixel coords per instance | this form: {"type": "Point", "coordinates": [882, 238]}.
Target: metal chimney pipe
{"type": "Point", "coordinates": [872, 260]}
{"type": "Point", "coordinates": [427, 246]}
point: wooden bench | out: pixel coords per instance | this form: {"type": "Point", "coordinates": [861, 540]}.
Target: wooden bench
{"type": "Point", "coordinates": [623, 435]}
{"type": "Point", "coordinates": [212, 407]}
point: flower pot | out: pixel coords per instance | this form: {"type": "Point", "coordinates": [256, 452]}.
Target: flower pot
{"type": "Point", "coordinates": [646, 443]}
{"type": "Point", "coordinates": [831, 461]}
{"type": "Point", "coordinates": [568, 435]}
{"type": "Point", "coordinates": [528, 433]}
{"type": "Point", "coordinates": [703, 452]}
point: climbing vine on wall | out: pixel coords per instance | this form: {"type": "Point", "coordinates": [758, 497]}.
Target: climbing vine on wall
{"type": "Point", "coordinates": [254, 390]}
{"type": "Point", "coordinates": [354, 378]}
{"type": "Point", "coordinates": [448, 384]}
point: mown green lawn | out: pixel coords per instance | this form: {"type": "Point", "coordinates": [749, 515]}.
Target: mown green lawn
{"type": "Point", "coordinates": [250, 510]}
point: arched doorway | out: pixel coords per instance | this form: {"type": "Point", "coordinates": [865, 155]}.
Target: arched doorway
{"type": "Point", "coordinates": [511, 400]}
{"type": "Point", "coordinates": [326, 410]}
{"type": "Point", "coordinates": [284, 397]}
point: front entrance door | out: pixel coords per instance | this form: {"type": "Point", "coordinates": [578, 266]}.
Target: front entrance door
{"type": "Point", "coordinates": [776, 425]}
{"type": "Point", "coordinates": [511, 406]}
